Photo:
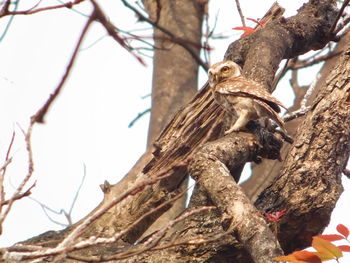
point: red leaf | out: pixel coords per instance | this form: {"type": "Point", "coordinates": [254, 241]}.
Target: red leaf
{"type": "Point", "coordinates": [247, 30]}
{"type": "Point", "coordinates": [306, 256]}
{"type": "Point", "coordinates": [258, 21]}
{"type": "Point", "coordinates": [344, 248]}
{"type": "Point", "coordinates": [276, 216]}
{"type": "Point", "coordinates": [334, 237]}
{"type": "Point", "coordinates": [343, 230]}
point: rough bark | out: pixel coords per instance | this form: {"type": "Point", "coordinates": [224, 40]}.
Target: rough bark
{"type": "Point", "coordinates": [212, 167]}
{"type": "Point", "coordinates": [309, 183]}
{"type": "Point", "coordinates": [263, 174]}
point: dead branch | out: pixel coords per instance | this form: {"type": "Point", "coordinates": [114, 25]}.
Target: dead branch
{"type": "Point", "coordinates": [8, 160]}
{"type": "Point", "coordinates": [40, 115]}
{"type": "Point", "coordinates": [70, 243]}
{"type": "Point", "coordinates": [19, 196]}
{"type": "Point", "coordinates": [340, 13]}
{"type": "Point", "coordinates": [30, 171]}
{"type": "Point", "coordinates": [239, 9]}
{"type": "Point", "coordinates": [175, 39]}
{"type": "Point", "coordinates": [5, 10]}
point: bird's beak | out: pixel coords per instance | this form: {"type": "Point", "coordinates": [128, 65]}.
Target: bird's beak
{"type": "Point", "coordinates": [216, 78]}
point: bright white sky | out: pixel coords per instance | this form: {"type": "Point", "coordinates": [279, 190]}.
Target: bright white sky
{"type": "Point", "coordinates": [88, 123]}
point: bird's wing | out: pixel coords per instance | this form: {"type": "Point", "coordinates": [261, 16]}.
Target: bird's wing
{"type": "Point", "coordinates": [241, 86]}
{"type": "Point", "coordinates": [271, 113]}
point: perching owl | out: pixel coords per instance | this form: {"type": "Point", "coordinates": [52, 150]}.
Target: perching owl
{"type": "Point", "coordinates": [243, 98]}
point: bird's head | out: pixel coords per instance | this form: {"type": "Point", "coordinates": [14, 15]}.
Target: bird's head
{"type": "Point", "coordinates": [222, 71]}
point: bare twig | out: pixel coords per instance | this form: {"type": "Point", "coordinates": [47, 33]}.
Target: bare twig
{"type": "Point", "coordinates": [296, 114]}
{"type": "Point", "coordinates": [6, 12]}
{"type": "Point", "coordinates": [151, 243]}
{"type": "Point", "coordinates": [206, 35]}
{"type": "Point", "coordinates": [3, 169]}
{"type": "Point", "coordinates": [138, 117]}
{"type": "Point", "coordinates": [110, 28]}
{"type": "Point", "coordinates": [9, 22]}
{"type": "Point", "coordinates": [68, 244]}
{"type": "Point", "coordinates": [67, 215]}
{"type": "Point", "coordinates": [280, 74]}
{"type": "Point", "coordinates": [303, 108]}
{"type": "Point", "coordinates": [26, 178]}
{"type": "Point", "coordinates": [175, 39]}
{"type": "Point", "coordinates": [39, 116]}
{"type": "Point", "coordinates": [314, 60]}
{"type": "Point", "coordinates": [309, 91]}
{"type": "Point", "coordinates": [342, 25]}
{"type": "Point", "coordinates": [238, 5]}
{"type": "Point", "coordinates": [19, 196]}
{"type": "Point", "coordinates": [5, 7]}
{"type": "Point", "coordinates": [154, 240]}
{"type": "Point", "coordinates": [340, 13]}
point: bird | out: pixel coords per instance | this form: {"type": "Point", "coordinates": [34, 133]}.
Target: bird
{"type": "Point", "coordinates": [243, 98]}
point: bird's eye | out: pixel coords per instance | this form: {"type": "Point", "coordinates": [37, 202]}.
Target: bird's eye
{"type": "Point", "coordinates": [225, 69]}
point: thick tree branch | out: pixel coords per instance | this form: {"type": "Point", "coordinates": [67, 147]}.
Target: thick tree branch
{"type": "Point", "coordinates": [309, 183]}
{"type": "Point", "coordinates": [212, 167]}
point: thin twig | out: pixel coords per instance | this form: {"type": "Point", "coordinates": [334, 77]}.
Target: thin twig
{"type": "Point", "coordinates": [40, 115]}
{"type": "Point", "coordinates": [238, 5]}
{"type": "Point", "coordinates": [309, 91]}
{"type": "Point", "coordinates": [67, 215]}
{"type": "Point", "coordinates": [340, 13]}
{"type": "Point", "coordinates": [9, 22]}
{"type": "Point", "coordinates": [174, 38]}
{"type": "Point", "coordinates": [68, 244]}
{"type": "Point", "coordinates": [32, 10]}
{"type": "Point", "coordinates": [19, 196]}
{"type": "Point", "coordinates": [3, 169]}
{"type": "Point", "coordinates": [5, 7]}
{"type": "Point", "coordinates": [138, 117]}
{"type": "Point", "coordinates": [296, 114]}
{"type": "Point", "coordinates": [38, 118]}
{"type": "Point", "coordinates": [26, 178]}
{"type": "Point", "coordinates": [342, 25]}
{"type": "Point", "coordinates": [76, 196]}
{"type": "Point", "coordinates": [151, 242]}
{"type": "Point", "coordinates": [314, 60]}
{"type": "Point", "coordinates": [110, 28]}
{"type": "Point", "coordinates": [303, 108]}
{"type": "Point", "coordinates": [280, 75]}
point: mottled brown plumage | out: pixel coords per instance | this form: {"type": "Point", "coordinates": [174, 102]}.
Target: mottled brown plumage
{"type": "Point", "coordinates": [245, 99]}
